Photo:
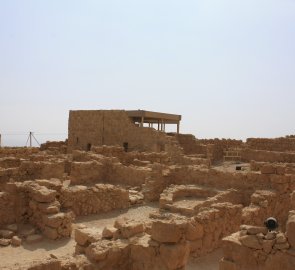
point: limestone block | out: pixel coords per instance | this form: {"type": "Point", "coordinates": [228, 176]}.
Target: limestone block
{"type": "Point", "coordinates": [290, 230]}
{"type": "Point", "coordinates": [4, 242]}
{"type": "Point", "coordinates": [250, 241]}
{"type": "Point", "coordinates": [166, 232]}
{"type": "Point", "coordinates": [16, 241]}
{"type": "Point", "coordinates": [49, 208]}
{"type": "Point", "coordinates": [128, 228]}
{"type": "Point", "coordinates": [47, 264]}
{"type": "Point", "coordinates": [7, 234]}
{"type": "Point", "coordinates": [194, 231]}
{"type": "Point", "coordinates": [253, 230]}
{"type": "Point", "coordinates": [175, 256]}
{"type": "Point", "coordinates": [43, 194]}
{"type": "Point", "coordinates": [268, 169]}
{"type": "Point", "coordinates": [267, 245]}
{"type": "Point", "coordinates": [109, 232]}
{"type": "Point", "coordinates": [56, 220]}
{"type": "Point", "coordinates": [85, 236]}
{"type": "Point", "coordinates": [281, 238]}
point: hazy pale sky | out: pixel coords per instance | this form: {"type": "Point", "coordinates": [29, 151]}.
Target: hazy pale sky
{"type": "Point", "coordinates": [227, 66]}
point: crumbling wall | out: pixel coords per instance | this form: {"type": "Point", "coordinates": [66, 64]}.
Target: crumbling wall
{"type": "Point", "coordinates": [100, 198]}
{"type": "Point", "coordinates": [259, 249]}
{"type": "Point", "coordinates": [54, 147]}
{"type": "Point", "coordinates": [190, 144]}
{"type": "Point", "coordinates": [267, 156]}
{"type": "Point", "coordinates": [277, 144]}
{"type": "Point", "coordinates": [18, 152]}
{"type": "Point", "coordinates": [29, 170]}
{"type": "Point", "coordinates": [7, 208]}
{"type": "Point", "coordinates": [107, 171]}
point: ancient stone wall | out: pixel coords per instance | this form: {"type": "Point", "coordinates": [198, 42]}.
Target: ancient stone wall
{"type": "Point", "coordinates": [100, 198]}
{"type": "Point", "coordinates": [277, 144]}
{"type": "Point", "coordinates": [19, 152]}
{"type": "Point", "coordinates": [259, 249]}
{"type": "Point", "coordinates": [267, 156]}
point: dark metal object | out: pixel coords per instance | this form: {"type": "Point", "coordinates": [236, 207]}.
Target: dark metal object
{"type": "Point", "coordinates": [271, 223]}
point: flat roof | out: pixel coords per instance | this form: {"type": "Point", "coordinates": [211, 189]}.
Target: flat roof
{"type": "Point", "coordinates": [150, 116]}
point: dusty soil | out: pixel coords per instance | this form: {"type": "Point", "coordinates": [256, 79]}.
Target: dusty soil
{"type": "Point", "coordinates": [12, 257]}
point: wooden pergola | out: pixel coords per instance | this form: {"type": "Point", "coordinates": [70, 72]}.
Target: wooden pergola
{"type": "Point", "coordinates": [151, 118]}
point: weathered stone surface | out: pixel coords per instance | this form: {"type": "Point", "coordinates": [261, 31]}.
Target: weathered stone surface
{"type": "Point", "coordinates": [43, 194]}
{"type": "Point", "coordinates": [128, 228]}
{"type": "Point", "coordinates": [253, 230]}
{"type": "Point", "coordinates": [194, 231]}
{"type": "Point", "coordinates": [12, 227]}
{"type": "Point", "coordinates": [48, 264]}
{"type": "Point", "coordinates": [108, 232]}
{"type": "Point", "coordinates": [291, 230]}
{"type": "Point", "coordinates": [6, 234]}
{"type": "Point", "coordinates": [267, 245]}
{"type": "Point", "coordinates": [270, 236]}
{"type": "Point", "coordinates": [4, 242]}
{"type": "Point", "coordinates": [85, 236]}
{"type": "Point", "coordinates": [16, 241]}
{"type": "Point", "coordinates": [250, 241]}
{"type": "Point", "coordinates": [55, 220]}
{"type": "Point", "coordinates": [166, 232]}
{"type": "Point", "coordinates": [174, 256]}
{"type": "Point", "coordinates": [281, 238]}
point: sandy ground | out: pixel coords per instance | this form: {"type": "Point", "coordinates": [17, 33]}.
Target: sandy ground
{"type": "Point", "coordinates": [12, 257]}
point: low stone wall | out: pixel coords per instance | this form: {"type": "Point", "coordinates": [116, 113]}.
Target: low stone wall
{"type": "Point", "coordinates": [107, 171]}
{"type": "Point", "coordinates": [256, 248]}
{"type": "Point", "coordinates": [164, 244]}
{"type": "Point", "coordinates": [277, 144]}
{"type": "Point", "coordinates": [100, 198]}
{"type": "Point", "coordinates": [248, 154]}
{"type": "Point", "coordinates": [19, 152]}
{"type": "Point", "coordinates": [209, 196]}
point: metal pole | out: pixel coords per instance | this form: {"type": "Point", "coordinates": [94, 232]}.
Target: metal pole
{"type": "Point", "coordinates": [30, 138]}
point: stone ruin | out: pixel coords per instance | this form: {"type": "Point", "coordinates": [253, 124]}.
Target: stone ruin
{"type": "Point", "coordinates": [204, 195]}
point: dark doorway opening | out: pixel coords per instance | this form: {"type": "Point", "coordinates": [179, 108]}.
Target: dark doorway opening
{"type": "Point", "coordinates": [88, 146]}
{"type": "Point", "coordinates": [125, 145]}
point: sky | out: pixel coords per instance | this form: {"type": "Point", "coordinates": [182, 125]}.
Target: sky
{"type": "Point", "coordinates": [227, 66]}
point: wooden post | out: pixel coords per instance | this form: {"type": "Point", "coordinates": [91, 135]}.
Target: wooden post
{"type": "Point", "coordinates": [142, 120]}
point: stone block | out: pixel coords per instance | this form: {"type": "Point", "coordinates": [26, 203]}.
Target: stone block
{"type": "Point", "coordinates": [85, 236]}
{"type": "Point", "coordinates": [250, 241]}
{"type": "Point", "coordinates": [43, 194]}
{"type": "Point", "coordinates": [290, 230]}
{"type": "Point", "coordinates": [194, 231]}
{"type": "Point", "coordinates": [166, 232]}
